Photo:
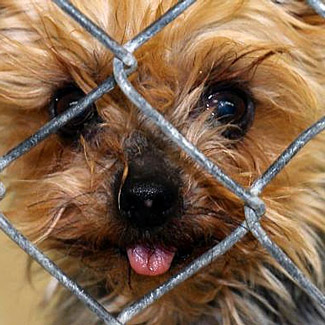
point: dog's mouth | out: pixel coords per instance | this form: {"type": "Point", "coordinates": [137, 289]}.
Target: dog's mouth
{"type": "Point", "coordinates": [157, 259]}
{"type": "Point", "coordinates": [150, 261]}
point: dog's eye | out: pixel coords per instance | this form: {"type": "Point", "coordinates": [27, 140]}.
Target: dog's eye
{"type": "Point", "coordinates": [62, 100]}
{"type": "Point", "coordinates": [228, 105]}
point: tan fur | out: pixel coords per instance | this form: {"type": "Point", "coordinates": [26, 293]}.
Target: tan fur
{"type": "Point", "coordinates": [60, 195]}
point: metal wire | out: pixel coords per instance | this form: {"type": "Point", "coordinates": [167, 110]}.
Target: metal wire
{"type": "Point", "coordinates": [181, 141]}
{"type": "Point", "coordinates": [2, 191]}
{"type": "Point", "coordinates": [235, 236]}
{"type": "Point", "coordinates": [287, 155]}
{"type": "Point", "coordinates": [56, 123]}
{"type": "Point", "coordinates": [54, 270]}
{"type": "Point", "coordinates": [254, 206]}
{"type": "Point", "coordinates": [259, 233]}
{"type": "Point", "coordinates": [318, 5]}
{"type": "Point", "coordinates": [119, 50]}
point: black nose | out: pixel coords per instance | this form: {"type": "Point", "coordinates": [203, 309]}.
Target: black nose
{"type": "Point", "coordinates": [148, 202]}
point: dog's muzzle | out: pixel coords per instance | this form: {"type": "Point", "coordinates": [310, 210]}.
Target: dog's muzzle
{"type": "Point", "coordinates": [149, 197]}
{"type": "Point", "coordinates": [149, 191]}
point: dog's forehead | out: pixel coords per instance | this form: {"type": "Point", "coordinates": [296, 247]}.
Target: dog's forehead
{"type": "Point", "coordinates": [52, 48]}
{"type": "Point", "coordinates": [124, 19]}
{"type": "Point", "coordinates": [45, 26]}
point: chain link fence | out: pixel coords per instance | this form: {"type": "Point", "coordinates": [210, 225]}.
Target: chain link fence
{"type": "Point", "coordinates": [124, 64]}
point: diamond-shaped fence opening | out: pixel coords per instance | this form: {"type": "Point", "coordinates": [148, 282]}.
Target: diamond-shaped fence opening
{"type": "Point", "coordinates": [124, 64]}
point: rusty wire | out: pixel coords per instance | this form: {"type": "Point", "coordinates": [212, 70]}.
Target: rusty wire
{"type": "Point", "coordinates": [254, 206]}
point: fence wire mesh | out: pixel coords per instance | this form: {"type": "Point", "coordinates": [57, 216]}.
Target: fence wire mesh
{"type": "Point", "coordinates": [124, 64]}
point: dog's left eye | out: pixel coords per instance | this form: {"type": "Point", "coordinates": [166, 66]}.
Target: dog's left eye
{"type": "Point", "coordinates": [229, 105]}
{"type": "Point", "coordinates": [62, 100]}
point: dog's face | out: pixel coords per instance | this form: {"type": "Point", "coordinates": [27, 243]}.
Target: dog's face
{"type": "Point", "coordinates": [239, 79]}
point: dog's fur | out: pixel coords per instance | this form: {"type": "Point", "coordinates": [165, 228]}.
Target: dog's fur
{"type": "Point", "coordinates": [62, 195]}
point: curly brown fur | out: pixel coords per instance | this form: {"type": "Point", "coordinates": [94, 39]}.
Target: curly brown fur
{"type": "Point", "coordinates": [63, 194]}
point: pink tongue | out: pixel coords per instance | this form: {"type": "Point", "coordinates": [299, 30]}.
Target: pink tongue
{"type": "Point", "coordinates": [150, 261]}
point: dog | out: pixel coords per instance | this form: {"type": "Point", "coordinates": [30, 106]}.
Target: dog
{"type": "Point", "coordinates": [117, 205]}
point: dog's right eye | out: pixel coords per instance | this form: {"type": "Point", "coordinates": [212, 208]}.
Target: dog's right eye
{"type": "Point", "coordinates": [228, 104]}
{"type": "Point", "coordinates": [64, 99]}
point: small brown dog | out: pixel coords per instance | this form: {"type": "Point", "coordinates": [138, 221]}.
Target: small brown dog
{"type": "Point", "coordinates": [120, 206]}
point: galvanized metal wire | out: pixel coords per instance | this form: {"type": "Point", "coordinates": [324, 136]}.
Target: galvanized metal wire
{"type": "Point", "coordinates": [124, 63]}
{"type": "Point", "coordinates": [54, 270]}
{"type": "Point", "coordinates": [318, 5]}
